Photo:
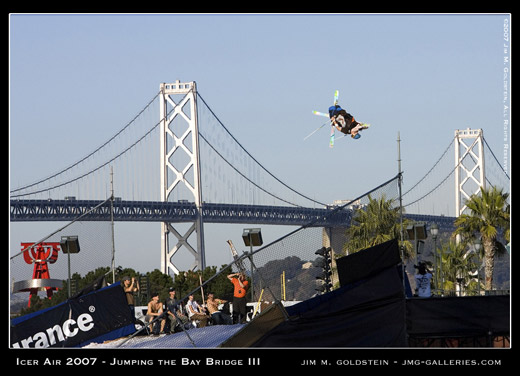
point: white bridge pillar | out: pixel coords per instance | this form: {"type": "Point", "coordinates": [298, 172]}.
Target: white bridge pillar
{"type": "Point", "coordinates": [469, 166]}
{"type": "Point", "coordinates": [180, 170]}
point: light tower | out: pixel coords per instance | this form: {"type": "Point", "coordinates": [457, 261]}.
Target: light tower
{"type": "Point", "coordinates": [180, 169]}
{"type": "Point", "coordinates": [469, 166]}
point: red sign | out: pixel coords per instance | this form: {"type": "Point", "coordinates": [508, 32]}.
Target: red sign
{"type": "Point", "coordinates": [40, 255]}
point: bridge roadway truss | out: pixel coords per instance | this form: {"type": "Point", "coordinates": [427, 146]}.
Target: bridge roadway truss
{"type": "Point", "coordinates": [179, 212]}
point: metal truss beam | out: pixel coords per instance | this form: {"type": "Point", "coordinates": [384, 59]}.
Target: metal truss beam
{"type": "Point", "coordinates": [186, 212]}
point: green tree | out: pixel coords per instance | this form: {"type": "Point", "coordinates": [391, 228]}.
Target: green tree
{"type": "Point", "coordinates": [188, 281]}
{"type": "Point", "coordinates": [160, 283]}
{"type": "Point", "coordinates": [61, 295]}
{"type": "Point", "coordinates": [459, 268]}
{"type": "Point", "coordinates": [489, 214]}
{"type": "Point", "coordinates": [376, 223]}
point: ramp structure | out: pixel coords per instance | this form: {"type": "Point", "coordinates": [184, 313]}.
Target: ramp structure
{"type": "Point", "coordinates": [368, 311]}
{"type": "Point", "coordinates": [371, 310]}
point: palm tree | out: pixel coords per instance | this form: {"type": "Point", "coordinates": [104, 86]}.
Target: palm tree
{"type": "Point", "coordinates": [376, 223]}
{"type": "Point", "coordinates": [489, 214]}
{"type": "Point", "coordinates": [458, 268]}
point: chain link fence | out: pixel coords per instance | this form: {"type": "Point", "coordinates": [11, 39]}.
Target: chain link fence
{"type": "Point", "coordinates": [282, 272]}
{"type": "Point", "coordinates": [287, 269]}
{"type": "Point", "coordinates": [45, 258]}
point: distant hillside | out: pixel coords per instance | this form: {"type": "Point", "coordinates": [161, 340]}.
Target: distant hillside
{"type": "Point", "coordinates": [17, 302]}
{"type": "Point", "coordinates": [300, 278]}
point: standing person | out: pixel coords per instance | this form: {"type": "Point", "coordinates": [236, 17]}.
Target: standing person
{"type": "Point", "coordinates": [239, 296]}
{"type": "Point", "coordinates": [196, 312]}
{"type": "Point", "coordinates": [422, 281]}
{"type": "Point", "coordinates": [130, 286]}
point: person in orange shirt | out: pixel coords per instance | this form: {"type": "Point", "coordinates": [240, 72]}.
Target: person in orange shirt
{"type": "Point", "coordinates": [239, 297]}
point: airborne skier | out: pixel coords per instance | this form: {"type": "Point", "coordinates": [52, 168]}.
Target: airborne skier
{"type": "Point", "coordinates": [340, 120]}
{"type": "Point", "coordinates": [345, 122]}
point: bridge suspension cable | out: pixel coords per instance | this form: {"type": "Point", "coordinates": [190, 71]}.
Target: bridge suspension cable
{"type": "Point", "coordinates": [94, 169]}
{"type": "Point", "coordinates": [431, 169]}
{"type": "Point", "coordinates": [467, 153]}
{"type": "Point", "coordinates": [255, 160]}
{"type": "Point", "coordinates": [496, 160]}
{"type": "Point", "coordinates": [26, 190]}
{"type": "Point", "coordinates": [241, 174]}
{"type": "Point", "coordinates": [53, 183]}
{"type": "Point", "coordinates": [86, 157]}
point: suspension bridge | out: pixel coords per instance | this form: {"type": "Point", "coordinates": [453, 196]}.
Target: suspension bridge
{"type": "Point", "coordinates": [205, 175]}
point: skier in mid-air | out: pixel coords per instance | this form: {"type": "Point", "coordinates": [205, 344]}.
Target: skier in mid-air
{"type": "Point", "coordinates": [345, 122]}
{"type": "Point", "coordinates": [340, 120]}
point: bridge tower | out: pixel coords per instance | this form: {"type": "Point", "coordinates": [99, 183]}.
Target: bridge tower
{"type": "Point", "coordinates": [180, 170]}
{"type": "Point", "coordinates": [469, 166]}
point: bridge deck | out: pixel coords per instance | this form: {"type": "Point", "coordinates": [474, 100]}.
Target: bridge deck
{"type": "Point", "coordinates": [154, 211]}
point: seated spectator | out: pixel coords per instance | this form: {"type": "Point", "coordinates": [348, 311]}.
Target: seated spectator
{"type": "Point", "coordinates": [173, 305]}
{"type": "Point", "coordinates": [196, 312]}
{"type": "Point", "coordinates": [218, 317]}
{"type": "Point", "coordinates": [155, 311]}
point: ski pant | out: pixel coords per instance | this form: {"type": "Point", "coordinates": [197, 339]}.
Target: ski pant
{"type": "Point", "coordinates": [357, 128]}
{"type": "Point", "coordinates": [239, 310]}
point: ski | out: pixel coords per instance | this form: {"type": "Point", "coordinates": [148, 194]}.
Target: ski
{"type": "Point", "coordinates": [316, 130]}
{"type": "Point", "coordinates": [320, 113]}
{"type": "Point", "coordinates": [332, 132]}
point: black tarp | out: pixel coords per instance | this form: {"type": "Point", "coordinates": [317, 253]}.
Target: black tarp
{"type": "Point", "coordinates": [370, 310]}
{"type": "Point", "coordinates": [366, 314]}
{"type": "Point", "coordinates": [458, 316]}
{"type": "Point", "coordinates": [99, 315]}
{"type": "Point", "coordinates": [367, 262]}
{"type": "Point", "coordinates": [268, 319]}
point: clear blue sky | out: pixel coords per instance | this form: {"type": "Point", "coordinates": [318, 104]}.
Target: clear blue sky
{"type": "Point", "coordinates": [77, 79]}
